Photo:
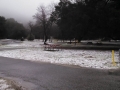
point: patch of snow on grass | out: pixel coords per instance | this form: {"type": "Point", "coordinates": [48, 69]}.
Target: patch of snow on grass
{"type": "Point", "coordinates": [4, 85]}
{"type": "Point", "coordinates": [84, 58]}
{"type": "Point", "coordinates": [35, 43]}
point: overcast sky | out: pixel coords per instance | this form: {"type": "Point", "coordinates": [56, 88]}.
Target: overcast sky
{"type": "Point", "coordinates": [21, 10]}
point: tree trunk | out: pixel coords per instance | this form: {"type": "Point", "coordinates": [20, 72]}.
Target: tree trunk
{"type": "Point", "coordinates": [45, 33]}
{"type": "Point", "coordinates": [79, 39]}
{"type": "Point", "coordinates": [70, 41]}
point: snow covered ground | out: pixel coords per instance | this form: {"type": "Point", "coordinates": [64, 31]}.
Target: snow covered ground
{"type": "Point", "coordinates": [4, 85]}
{"type": "Point", "coordinates": [34, 51]}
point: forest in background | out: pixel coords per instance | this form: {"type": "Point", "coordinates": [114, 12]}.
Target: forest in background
{"type": "Point", "coordinates": [67, 20]}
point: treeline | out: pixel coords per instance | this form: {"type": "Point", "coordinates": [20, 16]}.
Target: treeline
{"type": "Point", "coordinates": [69, 19]}
{"type": "Point", "coordinates": [88, 19]}
{"type": "Point", "coordinates": [38, 31]}
{"type": "Point", "coordinates": [11, 29]}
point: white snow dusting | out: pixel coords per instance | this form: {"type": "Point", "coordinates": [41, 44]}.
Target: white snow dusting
{"type": "Point", "coordinates": [4, 85]}
{"type": "Point", "coordinates": [34, 51]}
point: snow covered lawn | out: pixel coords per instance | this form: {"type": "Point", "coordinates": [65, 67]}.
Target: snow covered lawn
{"type": "Point", "coordinates": [34, 51]}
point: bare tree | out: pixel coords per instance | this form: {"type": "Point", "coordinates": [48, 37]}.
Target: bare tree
{"type": "Point", "coordinates": [30, 26]}
{"type": "Point", "coordinates": [43, 18]}
{"type": "Point", "coordinates": [31, 36]}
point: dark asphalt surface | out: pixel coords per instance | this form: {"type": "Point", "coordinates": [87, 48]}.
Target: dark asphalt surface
{"type": "Point", "coordinates": [45, 76]}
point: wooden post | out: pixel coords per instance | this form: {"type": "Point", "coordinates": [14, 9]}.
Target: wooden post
{"type": "Point", "coordinates": [113, 61]}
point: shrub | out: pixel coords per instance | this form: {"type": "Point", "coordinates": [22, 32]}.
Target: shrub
{"type": "Point", "coordinates": [22, 39]}
{"type": "Point", "coordinates": [31, 37]}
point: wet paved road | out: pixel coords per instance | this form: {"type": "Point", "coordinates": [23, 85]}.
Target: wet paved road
{"type": "Point", "coordinates": [45, 76]}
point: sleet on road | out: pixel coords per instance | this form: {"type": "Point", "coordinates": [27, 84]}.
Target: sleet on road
{"type": "Point", "coordinates": [46, 76]}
